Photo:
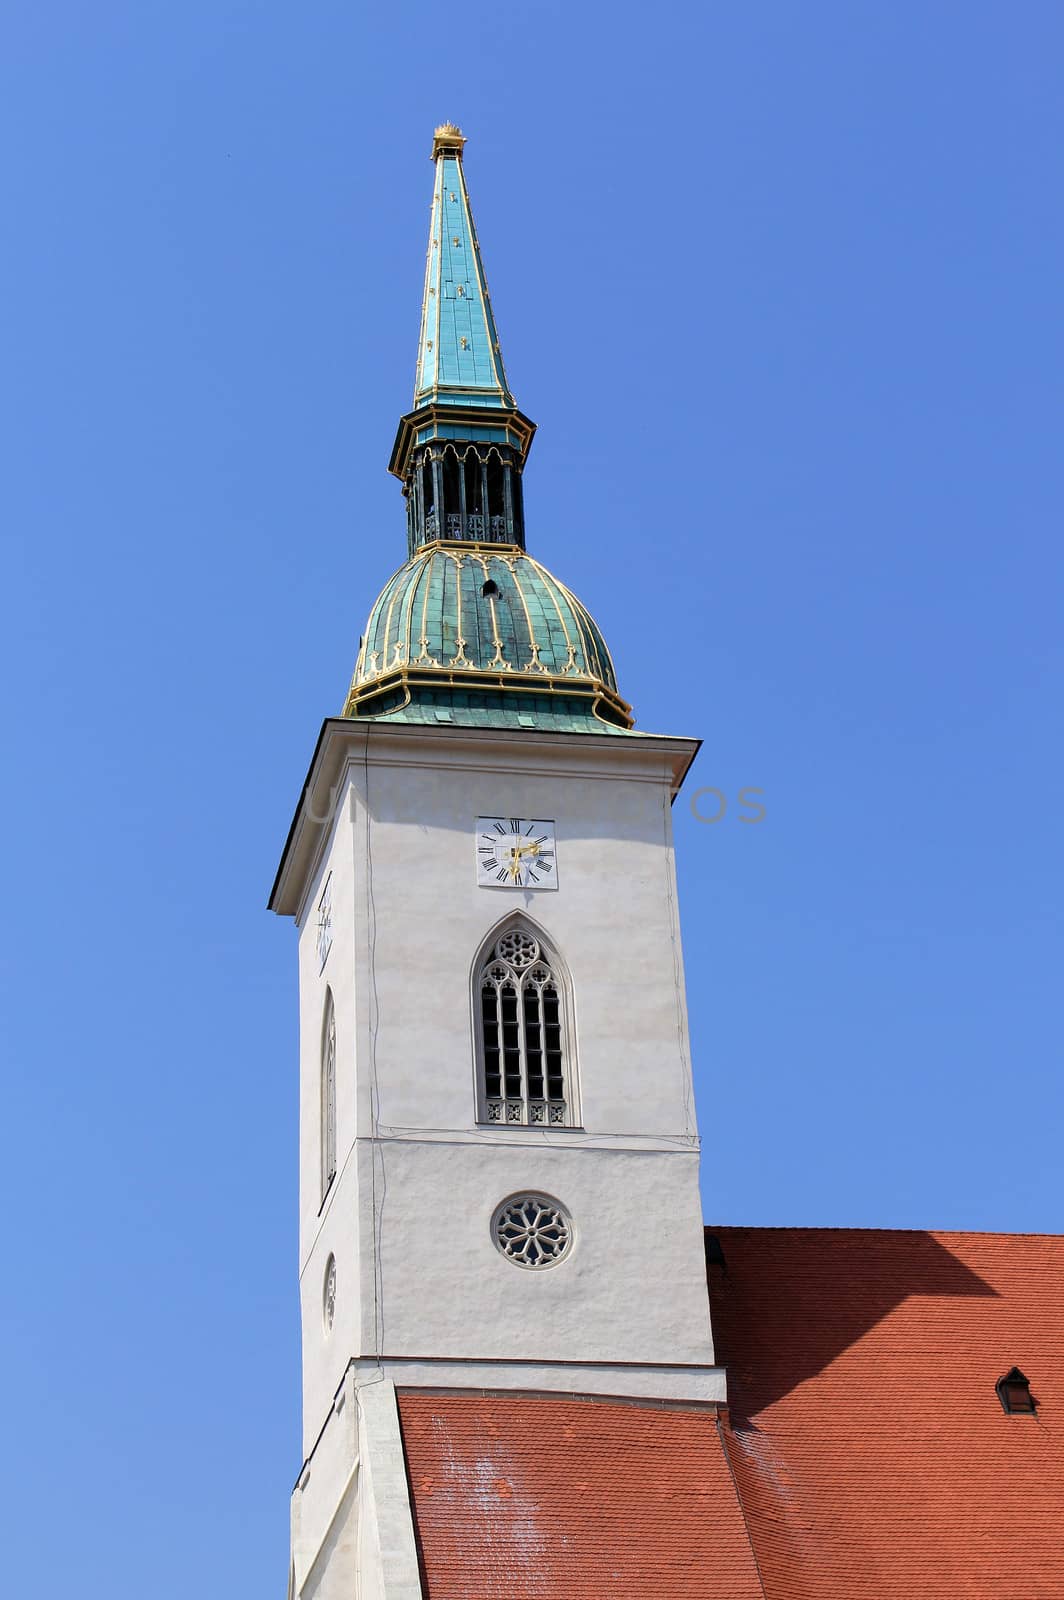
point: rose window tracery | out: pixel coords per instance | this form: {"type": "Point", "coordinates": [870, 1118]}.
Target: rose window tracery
{"type": "Point", "coordinates": [532, 1230]}
{"type": "Point", "coordinates": [519, 949]}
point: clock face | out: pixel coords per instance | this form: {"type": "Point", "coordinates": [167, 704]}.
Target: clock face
{"type": "Point", "coordinates": [516, 853]}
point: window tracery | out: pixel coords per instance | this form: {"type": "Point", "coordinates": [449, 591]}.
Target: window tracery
{"type": "Point", "coordinates": [520, 998]}
{"type": "Point", "coordinates": [532, 1230]}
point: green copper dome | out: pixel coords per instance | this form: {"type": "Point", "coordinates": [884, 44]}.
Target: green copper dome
{"type": "Point", "coordinates": [484, 635]}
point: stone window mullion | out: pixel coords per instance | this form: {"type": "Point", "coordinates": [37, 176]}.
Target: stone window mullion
{"type": "Point", "coordinates": [521, 979]}
{"type": "Point", "coordinates": [523, 1052]}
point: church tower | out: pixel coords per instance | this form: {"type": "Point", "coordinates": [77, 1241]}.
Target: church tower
{"type": "Point", "coordinates": [498, 1153]}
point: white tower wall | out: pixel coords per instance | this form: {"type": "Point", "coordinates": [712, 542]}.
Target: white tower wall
{"type": "Point", "coordinates": [423, 1295]}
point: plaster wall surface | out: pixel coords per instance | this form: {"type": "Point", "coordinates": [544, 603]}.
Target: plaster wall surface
{"type": "Point", "coordinates": [334, 1573]}
{"type": "Point", "coordinates": [325, 1501]}
{"type": "Point", "coordinates": [418, 1178]}
{"type": "Point", "coordinates": [613, 919]}
{"type": "Point", "coordinates": [630, 1290]}
{"type": "Point", "coordinates": [336, 873]}
{"type": "Point", "coordinates": [352, 1527]}
{"type": "Point", "coordinates": [328, 1222]}
{"type": "Point", "coordinates": [388, 1561]}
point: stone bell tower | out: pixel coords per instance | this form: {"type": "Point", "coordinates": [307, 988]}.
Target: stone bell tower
{"type": "Point", "coordinates": [498, 1148]}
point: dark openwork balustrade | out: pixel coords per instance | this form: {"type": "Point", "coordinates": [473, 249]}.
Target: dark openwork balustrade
{"type": "Point", "coordinates": [470, 493]}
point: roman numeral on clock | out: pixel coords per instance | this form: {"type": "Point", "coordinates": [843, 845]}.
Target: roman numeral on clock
{"type": "Point", "coordinates": [515, 853]}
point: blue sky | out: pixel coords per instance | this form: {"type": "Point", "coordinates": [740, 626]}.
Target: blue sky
{"type": "Point", "coordinates": [781, 285]}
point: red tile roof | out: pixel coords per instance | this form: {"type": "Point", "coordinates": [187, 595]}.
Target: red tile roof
{"type": "Point", "coordinates": [519, 1498]}
{"type": "Point", "coordinates": [869, 1446]}
{"type": "Point", "coordinates": [872, 1457]}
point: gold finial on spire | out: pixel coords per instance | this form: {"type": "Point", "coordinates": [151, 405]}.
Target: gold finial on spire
{"type": "Point", "coordinates": [447, 140]}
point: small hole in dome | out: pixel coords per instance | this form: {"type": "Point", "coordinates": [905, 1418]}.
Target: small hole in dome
{"type": "Point", "coordinates": [490, 589]}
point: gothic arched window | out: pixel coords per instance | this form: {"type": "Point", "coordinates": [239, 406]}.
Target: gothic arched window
{"type": "Point", "coordinates": [524, 1050]}
{"type": "Point", "coordinates": [328, 1094]}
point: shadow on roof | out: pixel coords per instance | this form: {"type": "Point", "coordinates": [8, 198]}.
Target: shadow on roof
{"type": "Point", "coordinates": [787, 1302]}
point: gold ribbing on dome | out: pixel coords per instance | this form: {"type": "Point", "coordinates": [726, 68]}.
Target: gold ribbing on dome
{"type": "Point", "coordinates": [448, 139]}
{"type": "Point", "coordinates": [475, 618]}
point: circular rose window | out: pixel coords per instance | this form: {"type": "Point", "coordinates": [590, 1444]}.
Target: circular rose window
{"type": "Point", "coordinates": [532, 1230]}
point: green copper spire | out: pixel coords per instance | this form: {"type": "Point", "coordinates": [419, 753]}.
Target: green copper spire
{"type": "Point", "coordinates": [459, 356]}
{"type": "Point", "coordinates": [461, 396]}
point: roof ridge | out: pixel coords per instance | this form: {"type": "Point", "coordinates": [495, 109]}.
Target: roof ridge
{"type": "Point", "coordinates": [802, 1227]}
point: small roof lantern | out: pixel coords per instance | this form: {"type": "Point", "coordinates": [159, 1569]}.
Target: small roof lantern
{"type": "Point", "coordinates": [1014, 1392]}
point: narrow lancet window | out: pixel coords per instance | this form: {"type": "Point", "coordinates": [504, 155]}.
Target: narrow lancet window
{"type": "Point", "coordinates": [521, 1008]}
{"type": "Point", "coordinates": [328, 1095]}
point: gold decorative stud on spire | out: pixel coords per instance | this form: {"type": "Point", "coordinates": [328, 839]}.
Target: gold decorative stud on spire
{"type": "Point", "coordinates": [447, 140]}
